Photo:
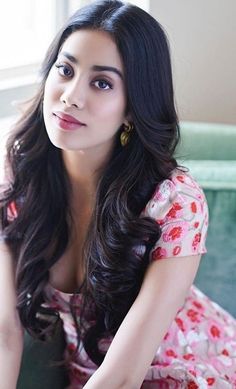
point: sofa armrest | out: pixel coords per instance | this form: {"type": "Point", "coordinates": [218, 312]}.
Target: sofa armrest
{"type": "Point", "coordinates": [214, 175]}
{"type": "Point", "coordinates": [37, 368]}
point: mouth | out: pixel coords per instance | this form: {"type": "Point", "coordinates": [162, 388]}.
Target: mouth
{"type": "Point", "coordinates": [68, 118]}
{"type": "Point", "coordinates": [67, 122]}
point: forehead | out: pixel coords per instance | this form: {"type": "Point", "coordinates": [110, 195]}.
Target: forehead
{"type": "Point", "coordinates": [93, 47]}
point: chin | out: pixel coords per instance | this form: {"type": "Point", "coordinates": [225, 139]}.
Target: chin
{"type": "Point", "coordinates": [66, 145]}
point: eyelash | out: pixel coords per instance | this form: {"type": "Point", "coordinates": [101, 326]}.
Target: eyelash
{"type": "Point", "coordinates": [63, 67]}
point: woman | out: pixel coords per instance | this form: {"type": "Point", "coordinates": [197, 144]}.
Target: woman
{"type": "Point", "coordinates": [99, 224]}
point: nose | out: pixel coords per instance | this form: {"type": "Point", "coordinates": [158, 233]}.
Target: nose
{"type": "Point", "coordinates": [73, 94]}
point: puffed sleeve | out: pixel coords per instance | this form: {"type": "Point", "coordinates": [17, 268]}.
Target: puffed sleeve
{"type": "Point", "coordinates": [12, 211]}
{"type": "Point", "coordinates": [12, 214]}
{"type": "Point", "coordinates": [180, 208]}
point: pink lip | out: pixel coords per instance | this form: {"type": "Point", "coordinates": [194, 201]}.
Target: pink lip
{"type": "Point", "coordinates": [67, 122]}
{"type": "Point", "coordinates": [67, 118]}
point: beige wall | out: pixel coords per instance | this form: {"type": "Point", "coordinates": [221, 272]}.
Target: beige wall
{"type": "Point", "coordinates": [202, 36]}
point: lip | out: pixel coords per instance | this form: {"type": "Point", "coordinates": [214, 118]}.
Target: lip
{"type": "Point", "coordinates": [67, 118]}
{"type": "Point", "coordinates": [67, 122]}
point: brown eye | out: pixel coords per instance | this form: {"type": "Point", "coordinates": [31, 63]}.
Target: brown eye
{"type": "Point", "coordinates": [64, 70]}
{"type": "Point", "coordinates": [103, 84]}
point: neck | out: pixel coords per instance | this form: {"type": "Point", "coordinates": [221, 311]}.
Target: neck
{"type": "Point", "coordinates": [84, 168]}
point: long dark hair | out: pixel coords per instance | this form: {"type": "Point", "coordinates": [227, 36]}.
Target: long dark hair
{"type": "Point", "coordinates": [40, 189]}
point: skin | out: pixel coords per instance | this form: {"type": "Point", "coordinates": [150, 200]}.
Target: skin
{"type": "Point", "coordinates": [11, 332]}
{"type": "Point", "coordinates": [85, 94]}
{"type": "Point", "coordinates": [96, 98]}
{"type": "Point", "coordinates": [166, 282]}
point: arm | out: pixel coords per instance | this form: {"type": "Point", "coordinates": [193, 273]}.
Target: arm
{"type": "Point", "coordinates": [163, 291]}
{"type": "Point", "coordinates": [11, 334]}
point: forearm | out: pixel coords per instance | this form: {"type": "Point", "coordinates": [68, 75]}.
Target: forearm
{"type": "Point", "coordinates": [105, 379]}
{"type": "Point", "coordinates": [10, 359]}
{"type": "Point", "coordinates": [140, 334]}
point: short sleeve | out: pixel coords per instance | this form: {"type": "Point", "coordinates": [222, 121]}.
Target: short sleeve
{"type": "Point", "coordinates": [179, 206]}
{"type": "Point", "coordinates": [12, 211]}
{"type": "Point", "coordinates": [12, 214]}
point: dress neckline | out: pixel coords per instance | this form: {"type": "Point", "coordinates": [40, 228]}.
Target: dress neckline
{"type": "Point", "coordinates": [53, 289]}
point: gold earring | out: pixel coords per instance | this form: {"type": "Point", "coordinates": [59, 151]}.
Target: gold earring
{"type": "Point", "coordinates": [125, 135]}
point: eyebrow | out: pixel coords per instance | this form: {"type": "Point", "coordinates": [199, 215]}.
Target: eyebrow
{"type": "Point", "coordinates": [101, 68]}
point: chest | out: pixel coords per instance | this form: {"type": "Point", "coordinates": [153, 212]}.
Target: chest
{"type": "Point", "coordinates": [68, 272]}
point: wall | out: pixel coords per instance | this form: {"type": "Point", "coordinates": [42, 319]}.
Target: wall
{"type": "Point", "coordinates": [202, 36]}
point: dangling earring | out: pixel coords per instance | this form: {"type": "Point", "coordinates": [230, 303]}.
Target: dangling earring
{"type": "Point", "coordinates": [125, 135]}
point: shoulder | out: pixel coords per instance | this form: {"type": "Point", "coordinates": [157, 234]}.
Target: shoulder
{"type": "Point", "coordinates": [178, 193]}
{"type": "Point", "coordinates": [179, 206]}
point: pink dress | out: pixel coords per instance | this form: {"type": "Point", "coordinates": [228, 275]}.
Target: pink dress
{"type": "Point", "coordinates": [199, 348]}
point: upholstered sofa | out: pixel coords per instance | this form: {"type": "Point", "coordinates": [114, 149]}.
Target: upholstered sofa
{"type": "Point", "coordinates": [209, 151]}
{"type": "Point", "coordinates": [40, 368]}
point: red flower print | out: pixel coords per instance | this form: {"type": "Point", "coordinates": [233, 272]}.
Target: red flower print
{"type": "Point", "coordinates": [176, 250]}
{"type": "Point", "coordinates": [159, 253]}
{"type": "Point", "coordinates": [166, 336]}
{"type": "Point", "coordinates": [193, 315]}
{"type": "Point", "coordinates": [193, 373]}
{"type": "Point", "coordinates": [193, 207]}
{"type": "Point", "coordinates": [71, 347]}
{"type": "Point", "coordinates": [164, 190]}
{"type": "Point", "coordinates": [196, 240]}
{"type": "Point", "coordinates": [180, 178]}
{"type": "Point", "coordinates": [180, 323]}
{"type": "Point", "coordinates": [188, 357]}
{"type": "Point", "coordinates": [197, 304]}
{"type": "Point", "coordinates": [192, 385]}
{"type": "Point", "coordinates": [175, 233]}
{"type": "Point", "coordinates": [215, 332]}
{"type": "Point", "coordinates": [210, 381]}
{"type": "Point", "coordinates": [225, 352]}
{"type": "Point", "coordinates": [174, 211]}
{"type": "Point", "coordinates": [12, 212]}
{"type": "Point", "coordinates": [171, 213]}
{"type": "Point", "coordinates": [171, 353]}
{"type": "Point", "coordinates": [196, 224]}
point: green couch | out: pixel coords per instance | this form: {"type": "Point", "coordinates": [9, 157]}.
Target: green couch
{"type": "Point", "coordinates": [38, 368]}
{"type": "Point", "coordinates": [209, 151]}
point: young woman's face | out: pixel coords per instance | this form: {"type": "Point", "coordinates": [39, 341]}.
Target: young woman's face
{"type": "Point", "coordinates": [85, 85]}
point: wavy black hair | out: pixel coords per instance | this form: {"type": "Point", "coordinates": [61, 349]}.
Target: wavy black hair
{"type": "Point", "coordinates": [40, 188]}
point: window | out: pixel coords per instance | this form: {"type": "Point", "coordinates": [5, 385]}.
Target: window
{"type": "Point", "coordinates": [26, 30]}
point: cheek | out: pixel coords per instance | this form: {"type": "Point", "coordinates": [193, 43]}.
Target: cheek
{"type": "Point", "coordinates": [50, 90]}
{"type": "Point", "coordinates": [49, 99]}
{"type": "Point", "coordinates": [47, 95]}
{"type": "Point", "coordinates": [112, 108]}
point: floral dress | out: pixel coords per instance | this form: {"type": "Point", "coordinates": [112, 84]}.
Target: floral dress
{"type": "Point", "coordinates": [199, 348]}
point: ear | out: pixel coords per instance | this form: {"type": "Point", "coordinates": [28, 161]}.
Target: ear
{"type": "Point", "coordinates": [128, 119]}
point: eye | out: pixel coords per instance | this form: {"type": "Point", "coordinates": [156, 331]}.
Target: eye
{"type": "Point", "coordinates": [103, 84]}
{"type": "Point", "coordinates": [64, 70]}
